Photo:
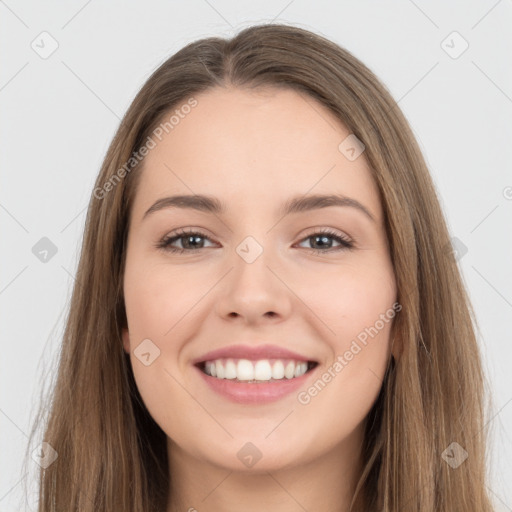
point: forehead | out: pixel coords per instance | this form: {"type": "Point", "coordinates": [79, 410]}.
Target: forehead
{"type": "Point", "coordinates": [252, 148]}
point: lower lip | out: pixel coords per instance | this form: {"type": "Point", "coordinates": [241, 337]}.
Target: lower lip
{"type": "Point", "coordinates": [255, 393]}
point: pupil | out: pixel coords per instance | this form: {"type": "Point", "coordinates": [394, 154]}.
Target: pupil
{"type": "Point", "coordinates": [191, 239]}
{"type": "Point", "coordinates": [323, 238]}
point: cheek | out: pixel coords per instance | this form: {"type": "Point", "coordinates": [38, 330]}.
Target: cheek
{"type": "Point", "coordinates": [355, 306]}
{"type": "Point", "coordinates": [159, 304]}
{"type": "Point", "coordinates": [348, 386]}
{"type": "Point", "coordinates": [349, 298]}
{"type": "Point", "coordinates": [158, 296]}
{"type": "Point", "coordinates": [164, 395]}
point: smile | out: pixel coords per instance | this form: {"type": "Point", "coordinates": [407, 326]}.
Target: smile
{"type": "Point", "coordinates": [255, 382]}
{"type": "Point", "coordinates": [260, 371]}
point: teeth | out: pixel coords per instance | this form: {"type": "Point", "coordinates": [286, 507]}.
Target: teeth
{"type": "Point", "coordinates": [219, 369]}
{"type": "Point", "coordinates": [289, 371]}
{"type": "Point", "coordinates": [278, 370]}
{"type": "Point", "coordinates": [262, 370]}
{"type": "Point", "coordinates": [244, 370]}
{"type": "Point", "coordinates": [230, 370]}
{"type": "Point", "coordinates": [253, 371]}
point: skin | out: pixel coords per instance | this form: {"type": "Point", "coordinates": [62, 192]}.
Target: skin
{"type": "Point", "coordinates": [254, 150]}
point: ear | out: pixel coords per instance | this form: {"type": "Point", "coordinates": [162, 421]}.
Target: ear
{"type": "Point", "coordinates": [126, 340]}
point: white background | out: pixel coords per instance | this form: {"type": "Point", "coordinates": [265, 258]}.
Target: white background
{"type": "Point", "coordinates": [60, 113]}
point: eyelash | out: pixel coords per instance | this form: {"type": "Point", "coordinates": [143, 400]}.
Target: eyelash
{"type": "Point", "coordinates": [164, 243]}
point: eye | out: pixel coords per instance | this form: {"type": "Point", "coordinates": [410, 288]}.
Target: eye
{"type": "Point", "coordinates": [191, 241]}
{"type": "Point", "coordinates": [321, 239]}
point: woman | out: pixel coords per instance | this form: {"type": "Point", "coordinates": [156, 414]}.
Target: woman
{"type": "Point", "coordinates": [267, 310]}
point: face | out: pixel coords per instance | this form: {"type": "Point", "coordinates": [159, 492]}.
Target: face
{"type": "Point", "coordinates": [316, 281]}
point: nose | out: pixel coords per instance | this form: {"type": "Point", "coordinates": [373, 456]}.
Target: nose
{"type": "Point", "coordinates": [254, 292]}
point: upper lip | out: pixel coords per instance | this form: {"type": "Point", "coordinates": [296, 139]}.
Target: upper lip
{"type": "Point", "coordinates": [252, 353]}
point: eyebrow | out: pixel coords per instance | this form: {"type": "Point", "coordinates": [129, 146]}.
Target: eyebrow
{"type": "Point", "coordinates": [300, 204]}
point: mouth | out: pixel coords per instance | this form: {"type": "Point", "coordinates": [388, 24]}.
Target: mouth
{"type": "Point", "coordinates": [255, 381]}
{"type": "Point", "coordinates": [262, 371]}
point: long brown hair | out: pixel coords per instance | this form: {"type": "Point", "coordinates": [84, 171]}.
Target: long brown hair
{"type": "Point", "coordinates": [112, 455]}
